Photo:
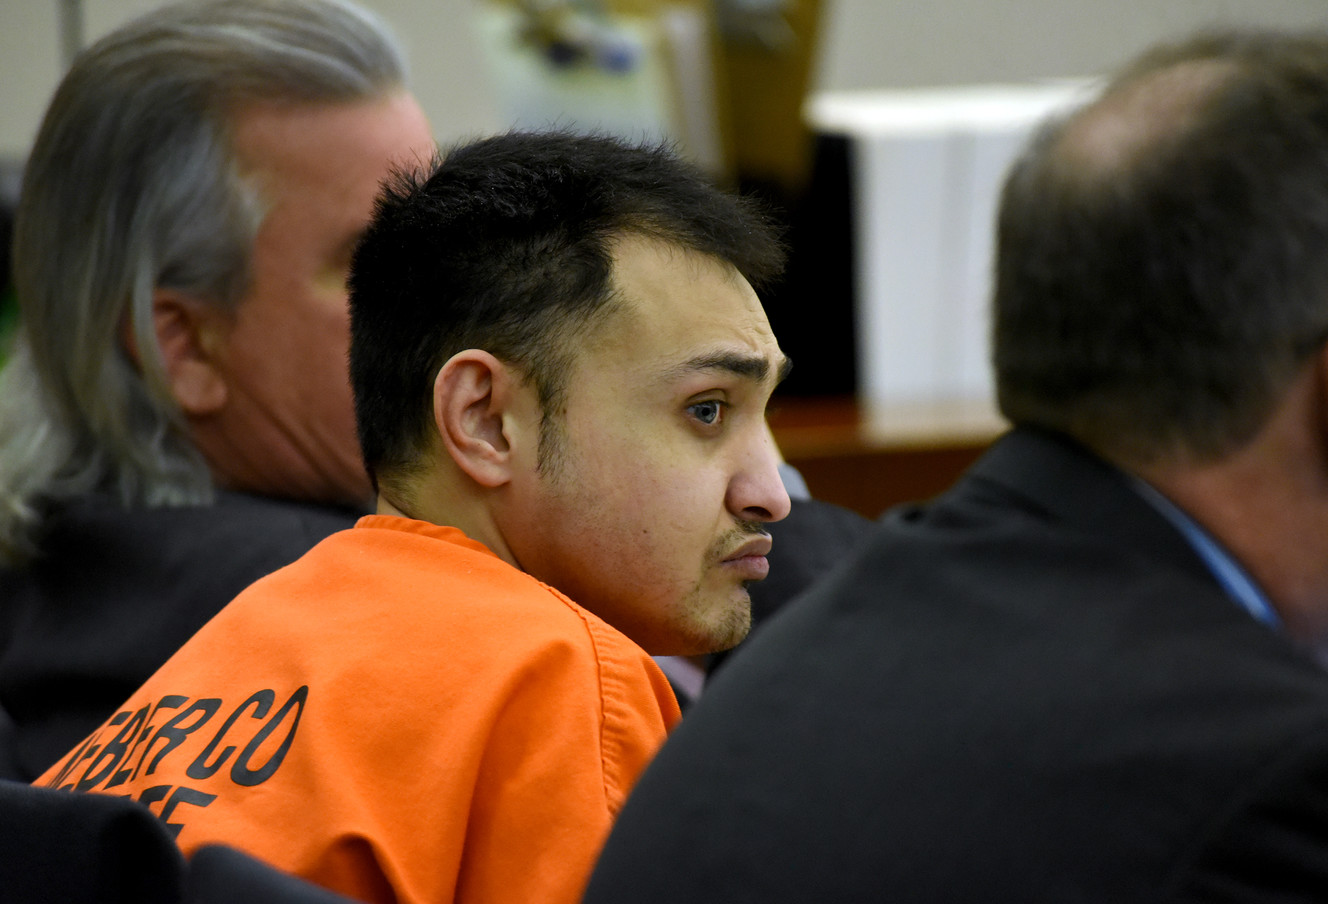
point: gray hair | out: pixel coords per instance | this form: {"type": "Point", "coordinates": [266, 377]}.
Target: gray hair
{"type": "Point", "coordinates": [133, 185]}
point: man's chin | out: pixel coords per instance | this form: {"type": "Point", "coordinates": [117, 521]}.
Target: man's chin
{"type": "Point", "coordinates": [730, 628]}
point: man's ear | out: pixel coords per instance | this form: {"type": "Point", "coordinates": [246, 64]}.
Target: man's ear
{"type": "Point", "coordinates": [473, 396]}
{"type": "Point", "coordinates": [188, 334]}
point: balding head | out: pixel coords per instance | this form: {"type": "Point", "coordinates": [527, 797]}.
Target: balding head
{"type": "Point", "coordinates": [1162, 267]}
{"type": "Point", "coordinates": [1139, 118]}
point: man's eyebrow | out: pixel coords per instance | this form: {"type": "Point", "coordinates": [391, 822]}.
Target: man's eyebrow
{"type": "Point", "coordinates": [752, 367]}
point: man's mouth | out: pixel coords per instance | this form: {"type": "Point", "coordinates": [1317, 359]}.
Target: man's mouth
{"type": "Point", "coordinates": [748, 562]}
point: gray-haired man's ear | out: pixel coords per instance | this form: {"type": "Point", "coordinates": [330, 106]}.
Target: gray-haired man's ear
{"type": "Point", "coordinates": [188, 333]}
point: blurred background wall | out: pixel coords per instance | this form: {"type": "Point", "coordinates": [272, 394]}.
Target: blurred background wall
{"type": "Point", "coordinates": [948, 42]}
{"type": "Point", "coordinates": [829, 44]}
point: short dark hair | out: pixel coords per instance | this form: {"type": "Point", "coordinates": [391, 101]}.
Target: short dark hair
{"type": "Point", "coordinates": [1162, 262]}
{"type": "Point", "coordinates": [505, 244]}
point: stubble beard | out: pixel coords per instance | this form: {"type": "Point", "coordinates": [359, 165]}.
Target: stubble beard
{"type": "Point", "coordinates": [717, 626]}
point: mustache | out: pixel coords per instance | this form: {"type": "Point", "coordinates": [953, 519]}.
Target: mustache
{"type": "Point", "coordinates": [730, 539]}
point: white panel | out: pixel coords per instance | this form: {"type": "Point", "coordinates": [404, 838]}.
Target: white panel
{"type": "Point", "coordinates": [899, 237]}
{"type": "Point", "coordinates": [990, 154]}
{"type": "Point", "coordinates": [927, 167]}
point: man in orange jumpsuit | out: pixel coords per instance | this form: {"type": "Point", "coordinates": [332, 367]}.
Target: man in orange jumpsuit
{"type": "Point", "coordinates": [561, 370]}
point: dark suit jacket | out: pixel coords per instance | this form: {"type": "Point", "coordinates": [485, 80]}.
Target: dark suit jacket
{"type": "Point", "coordinates": [115, 593]}
{"type": "Point", "coordinates": [1031, 690]}
{"type": "Point", "coordinates": [101, 849]}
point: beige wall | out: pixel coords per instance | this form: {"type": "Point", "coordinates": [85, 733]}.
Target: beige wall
{"type": "Point", "coordinates": [911, 43]}
{"type": "Point", "coordinates": [866, 43]}
{"type": "Point", "coordinates": [29, 69]}
{"type": "Point", "coordinates": [443, 60]}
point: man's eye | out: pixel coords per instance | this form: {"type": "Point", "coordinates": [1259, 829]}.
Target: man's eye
{"type": "Point", "coordinates": [707, 413]}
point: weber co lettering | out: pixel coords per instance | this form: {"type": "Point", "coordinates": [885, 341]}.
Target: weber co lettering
{"type": "Point", "coordinates": [247, 742]}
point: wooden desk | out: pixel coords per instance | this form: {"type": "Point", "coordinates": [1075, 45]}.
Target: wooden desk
{"type": "Point", "coordinates": [869, 458]}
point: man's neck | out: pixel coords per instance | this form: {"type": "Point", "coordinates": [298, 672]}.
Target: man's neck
{"type": "Point", "coordinates": [1267, 504]}
{"type": "Point", "coordinates": [437, 506]}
